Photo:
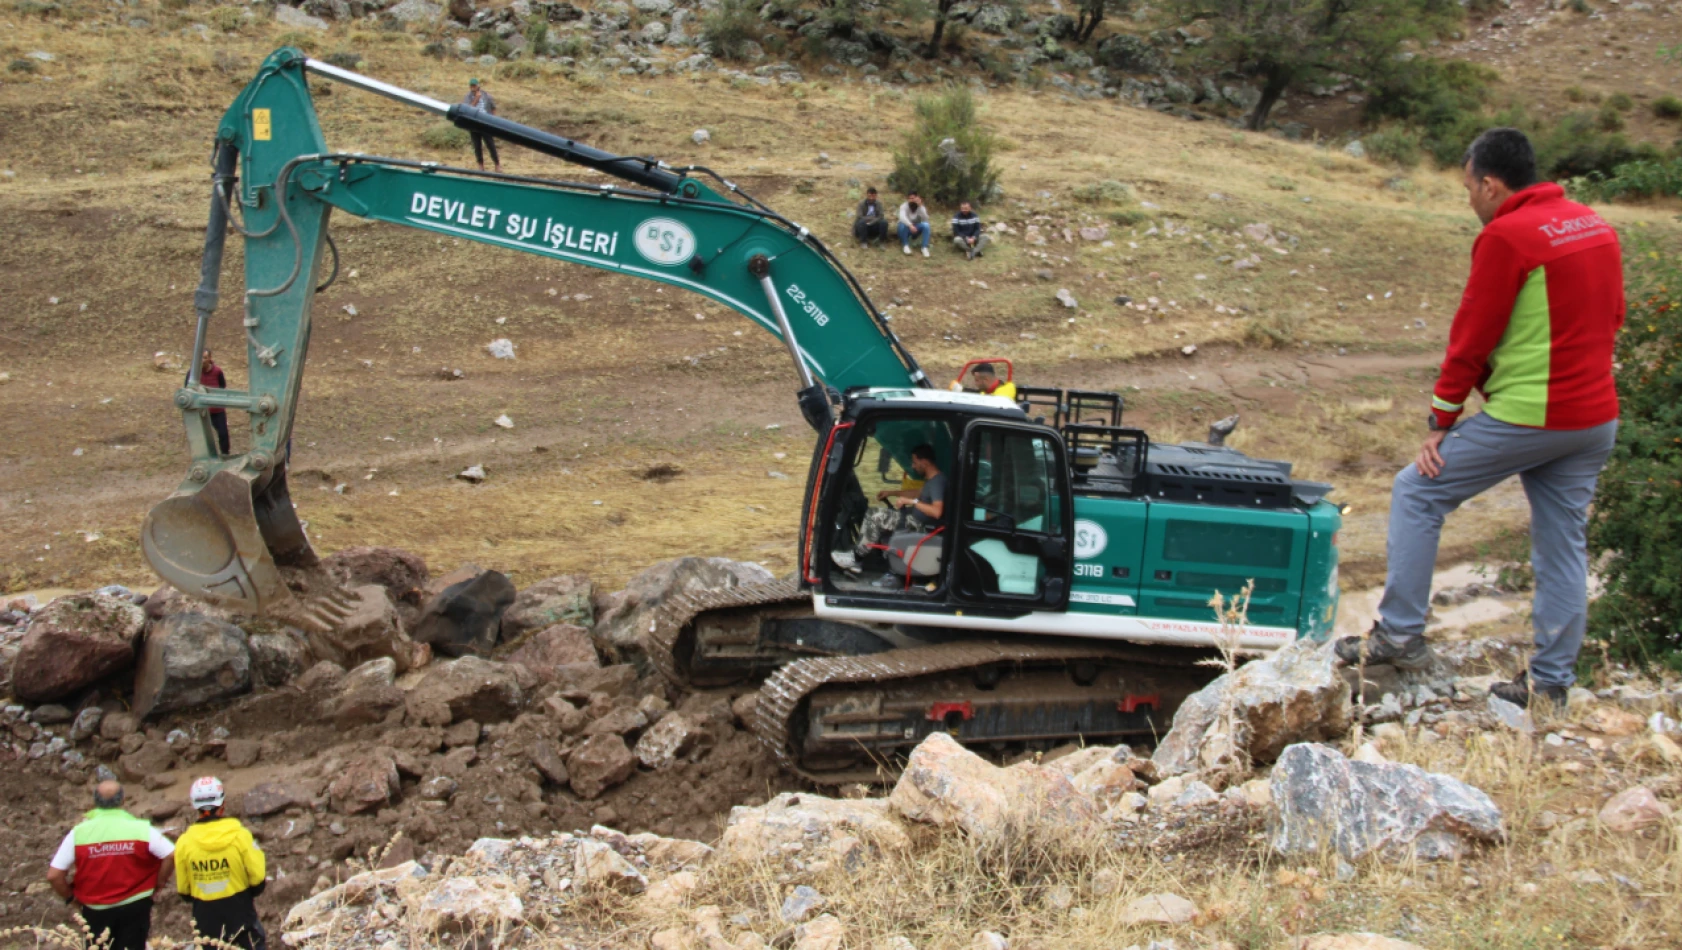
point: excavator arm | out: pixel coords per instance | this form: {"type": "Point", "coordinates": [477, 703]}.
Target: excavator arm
{"type": "Point", "coordinates": [229, 534]}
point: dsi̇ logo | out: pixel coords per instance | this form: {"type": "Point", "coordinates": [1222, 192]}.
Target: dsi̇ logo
{"type": "Point", "coordinates": [665, 241]}
{"type": "Point", "coordinates": [1090, 539]}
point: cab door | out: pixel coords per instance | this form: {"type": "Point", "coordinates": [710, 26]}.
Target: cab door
{"type": "Point", "coordinates": [1013, 519]}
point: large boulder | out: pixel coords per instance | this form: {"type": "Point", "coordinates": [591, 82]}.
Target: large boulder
{"type": "Point", "coordinates": [623, 619]}
{"type": "Point", "coordinates": [464, 614]}
{"type": "Point", "coordinates": [597, 866]}
{"type": "Point", "coordinates": [550, 650]}
{"type": "Point", "coordinates": [567, 599]}
{"type": "Point", "coordinates": [947, 785]}
{"type": "Point", "coordinates": [73, 643]}
{"type": "Point", "coordinates": [190, 660]}
{"type": "Point", "coordinates": [599, 763]}
{"type": "Point", "coordinates": [1129, 54]}
{"type": "Point", "coordinates": [1324, 800]}
{"type": "Point", "coordinates": [398, 571]}
{"type": "Point", "coordinates": [366, 783]}
{"type": "Point", "coordinates": [1297, 694]}
{"type": "Point", "coordinates": [486, 906]}
{"type": "Point", "coordinates": [674, 737]}
{"type": "Point", "coordinates": [468, 688]}
{"type": "Point", "coordinates": [364, 888]}
{"type": "Point", "coordinates": [366, 695]}
{"type": "Point", "coordinates": [277, 657]}
{"type": "Point", "coordinates": [813, 829]}
{"type": "Point", "coordinates": [370, 630]}
{"type": "Point", "coordinates": [268, 798]}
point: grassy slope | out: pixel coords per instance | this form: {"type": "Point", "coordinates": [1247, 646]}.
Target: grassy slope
{"type": "Point", "coordinates": [108, 144]}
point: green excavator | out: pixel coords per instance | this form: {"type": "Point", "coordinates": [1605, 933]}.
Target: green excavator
{"type": "Point", "coordinates": [1061, 594]}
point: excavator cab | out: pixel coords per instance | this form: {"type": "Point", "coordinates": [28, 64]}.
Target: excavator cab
{"type": "Point", "coordinates": [1002, 542]}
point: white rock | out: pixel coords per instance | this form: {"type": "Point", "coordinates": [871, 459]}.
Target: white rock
{"type": "Point", "coordinates": [1355, 941]}
{"type": "Point", "coordinates": [1066, 299]}
{"type": "Point", "coordinates": [945, 784]}
{"type": "Point", "coordinates": [1511, 716]}
{"type": "Point", "coordinates": [816, 828]}
{"type": "Point", "coordinates": [473, 473]}
{"type": "Point", "coordinates": [503, 422]}
{"type": "Point", "coordinates": [1159, 909]}
{"type": "Point", "coordinates": [297, 19]}
{"type": "Point", "coordinates": [824, 933]}
{"type": "Point", "coordinates": [1632, 809]}
{"type": "Point", "coordinates": [700, 136]}
{"type": "Point", "coordinates": [1369, 754]}
{"type": "Point", "coordinates": [596, 865]}
{"type": "Point", "coordinates": [502, 349]}
{"type": "Point", "coordinates": [360, 889]}
{"type": "Point", "coordinates": [486, 904]}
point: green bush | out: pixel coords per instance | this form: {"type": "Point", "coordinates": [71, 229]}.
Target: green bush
{"type": "Point", "coordinates": [573, 44]}
{"type": "Point", "coordinates": [344, 60]}
{"type": "Point", "coordinates": [1609, 119]}
{"type": "Point", "coordinates": [298, 40]}
{"type": "Point", "coordinates": [438, 49]}
{"type": "Point", "coordinates": [1620, 101]}
{"type": "Point", "coordinates": [1667, 107]}
{"type": "Point", "coordinates": [1637, 521]}
{"type": "Point", "coordinates": [1444, 101]}
{"type": "Point", "coordinates": [489, 44]}
{"type": "Point", "coordinates": [1581, 6]}
{"type": "Point", "coordinates": [1574, 146]}
{"type": "Point", "coordinates": [227, 19]}
{"type": "Point", "coordinates": [444, 137]}
{"type": "Point", "coordinates": [1640, 179]}
{"type": "Point", "coordinates": [519, 69]}
{"type": "Point", "coordinates": [1394, 145]}
{"type": "Point", "coordinates": [537, 35]}
{"type": "Point", "coordinates": [1576, 94]}
{"type": "Point", "coordinates": [22, 66]}
{"type": "Point", "coordinates": [947, 154]}
{"type": "Point", "coordinates": [1106, 192]}
{"type": "Point", "coordinates": [731, 29]}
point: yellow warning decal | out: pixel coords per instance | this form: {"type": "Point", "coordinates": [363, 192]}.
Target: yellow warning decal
{"type": "Point", "coordinates": [260, 130]}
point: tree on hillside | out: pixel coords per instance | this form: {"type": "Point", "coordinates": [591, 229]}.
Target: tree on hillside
{"type": "Point", "coordinates": [941, 12]}
{"type": "Point", "coordinates": [947, 154]}
{"type": "Point", "coordinates": [1285, 43]}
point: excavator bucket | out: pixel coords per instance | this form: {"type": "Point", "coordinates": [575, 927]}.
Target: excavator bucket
{"type": "Point", "coordinates": [241, 548]}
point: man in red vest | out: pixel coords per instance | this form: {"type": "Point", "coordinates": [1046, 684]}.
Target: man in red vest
{"type": "Point", "coordinates": [1534, 334]}
{"type": "Point", "coordinates": [110, 864]}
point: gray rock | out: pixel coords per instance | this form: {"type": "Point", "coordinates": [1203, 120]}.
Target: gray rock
{"type": "Point", "coordinates": [625, 620]}
{"type": "Point", "coordinates": [438, 788]}
{"type": "Point", "coordinates": [1511, 716]}
{"type": "Point", "coordinates": [1297, 694]}
{"type": "Point", "coordinates": [700, 136]}
{"type": "Point", "coordinates": [190, 660]}
{"type": "Point", "coordinates": [1324, 800]}
{"type": "Point", "coordinates": [73, 643]}
{"type": "Point", "coordinates": [50, 714]}
{"type": "Point", "coordinates": [654, 32]}
{"type": "Point", "coordinates": [801, 903]}
{"type": "Point", "coordinates": [994, 18]}
{"type": "Point", "coordinates": [564, 599]}
{"type": "Point", "coordinates": [1128, 54]}
{"type": "Point", "coordinates": [276, 658]}
{"type": "Point", "coordinates": [296, 19]}
{"type": "Point", "coordinates": [465, 616]}
{"type": "Point", "coordinates": [468, 688]}
{"type": "Point", "coordinates": [548, 652]}
{"type": "Point", "coordinates": [87, 723]}
{"type": "Point", "coordinates": [416, 11]}
{"type": "Point", "coordinates": [1355, 149]}
{"type": "Point", "coordinates": [674, 737]}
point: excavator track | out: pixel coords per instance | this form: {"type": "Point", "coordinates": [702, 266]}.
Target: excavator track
{"type": "Point", "coordinates": [680, 650]}
{"type": "Point", "coordinates": [781, 719]}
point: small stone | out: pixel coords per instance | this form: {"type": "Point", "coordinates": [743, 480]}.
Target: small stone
{"type": "Point", "coordinates": [700, 136]}
{"type": "Point", "coordinates": [801, 903]}
{"type": "Point", "coordinates": [242, 753]}
{"type": "Point", "coordinates": [1633, 809]}
{"type": "Point", "coordinates": [989, 940]}
{"type": "Point", "coordinates": [1159, 909]}
{"type": "Point", "coordinates": [473, 473]}
{"type": "Point", "coordinates": [1511, 716]}
{"type": "Point", "coordinates": [50, 714]}
{"type": "Point", "coordinates": [438, 788]}
{"type": "Point", "coordinates": [1066, 299]}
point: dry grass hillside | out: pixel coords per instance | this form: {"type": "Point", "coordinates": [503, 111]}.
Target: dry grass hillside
{"type": "Point", "coordinates": [1327, 346]}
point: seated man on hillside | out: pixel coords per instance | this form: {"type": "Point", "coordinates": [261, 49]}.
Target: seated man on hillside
{"type": "Point", "coordinates": [913, 509]}
{"type": "Point", "coordinates": [967, 235]}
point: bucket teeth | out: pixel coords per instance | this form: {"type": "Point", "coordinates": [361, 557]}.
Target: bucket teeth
{"type": "Point", "coordinates": [321, 612]}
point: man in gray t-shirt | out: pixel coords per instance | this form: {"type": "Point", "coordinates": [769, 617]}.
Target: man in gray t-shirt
{"type": "Point", "coordinates": [922, 514]}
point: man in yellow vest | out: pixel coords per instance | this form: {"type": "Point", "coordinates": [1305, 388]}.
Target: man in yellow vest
{"type": "Point", "coordinates": [988, 382]}
{"type": "Point", "coordinates": [220, 871]}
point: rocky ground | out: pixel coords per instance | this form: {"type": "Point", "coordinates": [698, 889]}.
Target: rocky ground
{"type": "Point", "coordinates": [542, 790]}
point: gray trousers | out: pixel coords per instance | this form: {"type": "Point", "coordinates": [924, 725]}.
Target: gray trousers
{"type": "Point", "coordinates": [981, 242]}
{"type": "Point", "coordinates": [1559, 470]}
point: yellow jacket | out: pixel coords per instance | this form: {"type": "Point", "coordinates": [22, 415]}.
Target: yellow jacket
{"type": "Point", "coordinates": [218, 859]}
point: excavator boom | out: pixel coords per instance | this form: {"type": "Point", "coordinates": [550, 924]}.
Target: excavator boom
{"type": "Point", "coordinates": [229, 531]}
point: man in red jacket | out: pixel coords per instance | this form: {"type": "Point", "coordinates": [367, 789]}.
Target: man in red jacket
{"type": "Point", "coordinates": [1534, 333]}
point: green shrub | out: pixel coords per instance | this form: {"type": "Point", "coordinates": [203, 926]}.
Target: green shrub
{"type": "Point", "coordinates": [22, 66]}
{"type": "Point", "coordinates": [1620, 101]}
{"type": "Point", "coordinates": [1106, 192]}
{"type": "Point", "coordinates": [1581, 6]}
{"type": "Point", "coordinates": [1575, 94]}
{"type": "Point", "coordinates": [298, 40]}
{"type": "Point", "coordinates": [573, 44]}
{"type": "Point", "coordinates": [519, 69]}
{"type": "Point", "coordinates": [227, 19]}
{"type": "Point", "coordinates": [438, 49]}
{"type": "Point", "coordinates": [489, 44]}
{"type": "Point", "coordinates": [344, 59]}
{"type": "Point", "coordinates": [1444, 101]}
{"type": "Point", "coordinates": [444, 137]}
{"type": "Point", "coordinates": [36, 8]}
{"type": "Point", "coordinates": [1639, 179]}
{"type": "Point", "coordinates": [1637, 520]}
{"type": "Point", "coordinates": [1394, 145]}
{"type": "Point", "coordinates": [1667, 107]}
{"type": "Point", "coordinates": [1609, 119]}
{"type": "Point", "coordinates": [947, 154]}
{"type": "Point", "coordinates": [731, 29]}
{"type": "Point", "coordinates": [537, 35]}
{"type": "Point", "coordinates": [1575, 146]}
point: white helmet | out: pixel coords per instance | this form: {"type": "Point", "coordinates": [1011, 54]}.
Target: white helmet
{"type": "Point", "coordinates": [207, 793]}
